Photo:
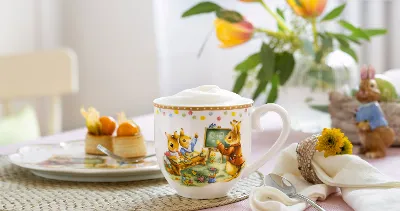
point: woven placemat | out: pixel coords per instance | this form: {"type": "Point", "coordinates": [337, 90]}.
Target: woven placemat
{"type": "Point", "coordinates": [21, 190]}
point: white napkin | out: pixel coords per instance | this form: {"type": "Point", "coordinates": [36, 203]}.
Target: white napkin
{"type": "Point", "coordinates": [363, 187]}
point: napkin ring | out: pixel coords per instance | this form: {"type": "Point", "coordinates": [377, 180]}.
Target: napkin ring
{"type": "Point", "coordinates": [305, 151]}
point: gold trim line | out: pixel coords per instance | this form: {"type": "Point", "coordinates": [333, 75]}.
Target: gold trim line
{"type": "Point", "coordinates": [203, 108]}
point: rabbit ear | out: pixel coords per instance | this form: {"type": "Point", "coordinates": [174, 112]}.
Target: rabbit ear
{"type": "Point", "coordinates": [371, 72]}
{"type": "Point", "coordinates": [364, 72]}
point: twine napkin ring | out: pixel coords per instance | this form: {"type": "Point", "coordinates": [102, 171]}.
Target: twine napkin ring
{"type": "Point", "coordinates": [305, 151]}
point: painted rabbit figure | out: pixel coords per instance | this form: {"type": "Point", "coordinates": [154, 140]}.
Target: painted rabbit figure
{"type": "Point", "coordinates": [373, 130]}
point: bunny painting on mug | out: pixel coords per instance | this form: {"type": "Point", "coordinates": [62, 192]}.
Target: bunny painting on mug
{"type": "Point", "coordinates": [194, 168]}
{"type": "Point", "coordinates": [373, 130]}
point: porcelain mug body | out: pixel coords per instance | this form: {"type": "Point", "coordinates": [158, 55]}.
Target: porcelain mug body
{"type": "Point", "coordinates": [204, 150]}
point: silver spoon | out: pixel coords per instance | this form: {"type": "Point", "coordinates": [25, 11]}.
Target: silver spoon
{"type": "Point", "coordinates": [119, 158]}
{"type": "Point", "coordinates": [288, 188]}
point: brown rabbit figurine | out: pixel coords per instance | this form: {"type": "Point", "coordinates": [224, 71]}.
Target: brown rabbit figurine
{"type": "Point", "coordinates": [373, 130]}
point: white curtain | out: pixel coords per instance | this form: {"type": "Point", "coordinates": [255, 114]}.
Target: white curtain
{"type": "Point", "coordinates": [382, 52]}
{"type": "Point", "coordinates": [178, 40]}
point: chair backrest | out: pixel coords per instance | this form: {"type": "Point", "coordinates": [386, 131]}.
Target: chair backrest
{"type": "Point", "coordinates": [50, 73]}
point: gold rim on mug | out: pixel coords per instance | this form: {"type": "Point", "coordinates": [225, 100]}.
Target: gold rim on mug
{"type": "Point", "coordinates": [203, 108]}
{"type": "Point", "coordinates": [305, 152]}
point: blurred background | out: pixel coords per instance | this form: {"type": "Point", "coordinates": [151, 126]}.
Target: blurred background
{"type": "Point", "coordinates": [130, 51]}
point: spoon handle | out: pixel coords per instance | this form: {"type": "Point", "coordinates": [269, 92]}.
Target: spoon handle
{"type": "Point", "coordinates": [309, 201]}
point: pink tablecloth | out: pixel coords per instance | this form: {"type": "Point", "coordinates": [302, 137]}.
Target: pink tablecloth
{"type": "Point", "coordinates": [261, 142]}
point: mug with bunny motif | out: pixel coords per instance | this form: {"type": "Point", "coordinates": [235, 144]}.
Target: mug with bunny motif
{"type": "Point", "coordinates": [203, 139]}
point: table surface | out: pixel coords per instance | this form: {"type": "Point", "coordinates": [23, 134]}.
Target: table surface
{"type": "Point", "coordinates": [261, 141]}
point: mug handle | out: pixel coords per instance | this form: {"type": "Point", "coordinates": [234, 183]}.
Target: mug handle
{"type": "Point", "coordinates": [256, 124]}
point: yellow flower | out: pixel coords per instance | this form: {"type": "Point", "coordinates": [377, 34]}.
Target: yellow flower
{"type": "Point", "coordinates": [307, 8]}
{"type": "Point", "coordinates": [176, 111]}
{"type": "Point", "coordinates": [331, 141]}
{"type": "Point", "coordinates": [202, 118]}
{"type": "Point", "coordinates": [233, 34]}
{"type": "Point", "coordinates": [347, 147]}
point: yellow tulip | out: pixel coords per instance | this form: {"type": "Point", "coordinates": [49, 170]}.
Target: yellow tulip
{"type": "Point", "coordinates": [233, 34]}
{"type": "Point", "coordinates": [307, 8]}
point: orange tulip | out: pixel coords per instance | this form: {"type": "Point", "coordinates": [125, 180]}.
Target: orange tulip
{"type": "Point", "coordinates": [233, 34]}
{"type": "Point", "coordinates": [307, 8]}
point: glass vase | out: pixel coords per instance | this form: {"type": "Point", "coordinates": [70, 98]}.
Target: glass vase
{"type": "Point", "coordinates": [306, 95]}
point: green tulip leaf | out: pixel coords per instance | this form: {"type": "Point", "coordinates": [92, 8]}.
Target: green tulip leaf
{"type": "Point", "coordinates": [280, 13]}
{"type": "Point", "coordinates": [352, 39]}
{"type": "Point", "coordinates": [262, 85]}
{"type": "Point", "coordinates": [356, 32]}
{"type": "Point", "coordinates": [375, 32]}
{"type": "Point", "coordinates": [229, 15]}
{"type": "Point", "coordinates": [284, 65]}
{"type": "Point", "coordinates": [343, 42]}
{"type": "Point", "coordinates": [267, 57]}
{"type": "Point", "coordinates": [349, 51]}
{"type": "Point", "coordinates": [343, 37]}
{"type": "Point", "coordinates": [249, 63]}
{"type": "Point", "coordinates": [201, 8]}
{"type": "Point", "coordinates": [273, 93]}
{"type": "Point", "coordinates": [334, 13]}
{"type": "Point", "coordinates": [239, 83]}
{"type": "Point", "coordinates": [327, 45]}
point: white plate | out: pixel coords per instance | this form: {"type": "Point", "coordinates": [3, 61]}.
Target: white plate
{"type": "Point", "coordinates": [68, 161]}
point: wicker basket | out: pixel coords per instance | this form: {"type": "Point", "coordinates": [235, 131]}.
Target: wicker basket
{"type": "Point", "coordinates": [343, 108]}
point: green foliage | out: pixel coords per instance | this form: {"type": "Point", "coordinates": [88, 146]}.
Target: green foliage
{"type": "Point", "coordinates": [326, 47]}
{"type": "Point", "coordinates": [201, 8]}
{"type": "Point", "coordinates": [356, 32]}
{"type": "Point", "coordinates": [280, 13]}
{"type": "Point", "coordinates": [334, 13]}
{"type": "Point", "coordinates": [262, 85]}
{"type": "Point", "coordinates": [284, 65]}
{"type": "Point", "coordinates": [375, 32]}
{"type": "Point", "coordinates": [349, 51]}
{"type": "Point", "coordinates": [273, 93]}
{"type": "Point", "coordinates": [249, 63]}
{"type": "Point", "coordinates": [239, 83]}
{"type": "Point", "coordinates": [267, 56]}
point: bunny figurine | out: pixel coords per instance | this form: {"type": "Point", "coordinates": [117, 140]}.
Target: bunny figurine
{"type": "Point", "coordinates": [373, 130]}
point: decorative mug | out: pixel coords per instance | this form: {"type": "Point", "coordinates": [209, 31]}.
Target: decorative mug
{"type": "Point", "coordinates": [203, 139]}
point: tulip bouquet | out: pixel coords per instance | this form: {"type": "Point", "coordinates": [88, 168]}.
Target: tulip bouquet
{"type": "Point", "coordinates": [274, 63]}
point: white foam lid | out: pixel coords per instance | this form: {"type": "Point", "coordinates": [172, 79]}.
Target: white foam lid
{"type": "Point", "coordinates": [206, 95]}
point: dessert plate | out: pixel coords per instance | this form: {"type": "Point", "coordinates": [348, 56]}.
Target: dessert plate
{"type": "Point", "coordinates": [68, 161]}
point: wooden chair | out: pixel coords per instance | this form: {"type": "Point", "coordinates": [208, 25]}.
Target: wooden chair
{"type": "Point", "coordinates": [50, 73]}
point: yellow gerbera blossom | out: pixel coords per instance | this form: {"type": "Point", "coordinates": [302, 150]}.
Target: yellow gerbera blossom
{"type": "Point", "coordinates": [330, 141]}
{"type": "Point", "coordinates": [347, 147]}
